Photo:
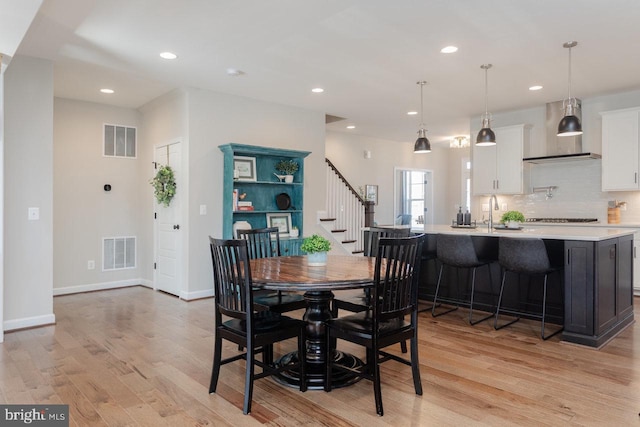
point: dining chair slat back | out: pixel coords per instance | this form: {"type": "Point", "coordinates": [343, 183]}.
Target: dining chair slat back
{"type": "Point", "coordinates": [265, 243]}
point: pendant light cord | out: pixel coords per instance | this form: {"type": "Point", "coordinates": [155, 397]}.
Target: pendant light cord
{"type": "Point", "coordinates": [486, 91]}
{"type": "Point", "coordinates": [422, 83]}
{"type": "Point", "coordinates": [570, 74]}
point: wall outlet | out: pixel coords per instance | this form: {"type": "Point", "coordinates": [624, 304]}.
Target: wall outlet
{"type": "Point", "coordinates": [91, 264]}
{"type": "Point", "coordinates": [504, 206]}
{"type": "Point", "coordinates": [203, 209]}
{"type": "Point", "coordinates": [485, 207]}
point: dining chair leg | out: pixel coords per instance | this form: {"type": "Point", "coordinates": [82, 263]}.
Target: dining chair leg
{"type": "Point", "coordinates": [302, 357]}
{"type": "Point", "coordinates": [328, 368]}
{"type": "Point", "coordinates": [377, 389]}
{"type": "Point", "coordinates": [403, 346]}
{"type": "Point", "coordinates": [248, 380]}
{"type": "Point", "coordinates": [415, 366]}
{"type": "Point", "coordinates": [215, 370]}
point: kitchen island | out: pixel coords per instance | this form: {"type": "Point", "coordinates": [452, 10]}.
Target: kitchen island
{"type": "Point", "coordinates": [593, 298]}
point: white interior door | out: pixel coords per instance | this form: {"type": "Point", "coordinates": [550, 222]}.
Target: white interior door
{"type": "Point", "coordinates": [168, 233]}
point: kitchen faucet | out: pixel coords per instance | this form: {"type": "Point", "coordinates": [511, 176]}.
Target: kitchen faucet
{"type": "Point", "coordinates": [491, 208]}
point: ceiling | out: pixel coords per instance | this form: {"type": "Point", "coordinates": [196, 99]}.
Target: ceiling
{"type": "Point", "coordinates": [366, 54]}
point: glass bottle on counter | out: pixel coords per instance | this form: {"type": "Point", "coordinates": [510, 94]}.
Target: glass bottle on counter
{"type": "Point", "coordinates": [460, 217]}
{"type": "Point", "coordinates": [467, 218]}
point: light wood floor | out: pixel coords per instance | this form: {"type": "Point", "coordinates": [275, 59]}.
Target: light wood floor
{"type": "Point", "coordinates": [137, 357]}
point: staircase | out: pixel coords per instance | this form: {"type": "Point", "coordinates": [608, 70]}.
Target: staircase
{"type": "Point", "coordinates": [346, 213]}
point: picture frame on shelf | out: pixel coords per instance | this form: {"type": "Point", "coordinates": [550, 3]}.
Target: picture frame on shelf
{"type": "Point", "coordinates": [280, 220]}
{"type": "Point", "coordinates": [244, 168]}
{"type": "Point", "coordinates": [371, 193]}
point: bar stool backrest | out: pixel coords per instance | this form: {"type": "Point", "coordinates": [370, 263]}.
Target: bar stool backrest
{"type": "Point", "coordinates": [456, 250]}
{"type": "Point", "coordinates": [523, 255]}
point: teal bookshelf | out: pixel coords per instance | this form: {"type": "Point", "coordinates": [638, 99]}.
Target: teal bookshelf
{"type": "Point", "coordinates": [262, 191]}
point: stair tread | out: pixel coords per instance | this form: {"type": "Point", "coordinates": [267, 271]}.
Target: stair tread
{"type": "Point", "coordinates": [338, 231]}
{"type": "Point", "coordinates": [327, 219]}
{"type": "Point", "coordinates": [357, 252]}
{"type": "Point", "coordinates": [348, 241]}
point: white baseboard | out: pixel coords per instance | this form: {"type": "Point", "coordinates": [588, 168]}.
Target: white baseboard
{"type": "Point", "coordinates": [188, 296]}
{"type": "Point", "coordinates": [101, 286]}
{"type": "Point", "coordinates": [29, 322]}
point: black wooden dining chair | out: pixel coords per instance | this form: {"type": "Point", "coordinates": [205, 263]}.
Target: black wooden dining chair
{"type": "Point", "coordinates": [265, 243]}
{"type": "Point", "coordinates": [255, 331]}
{"type": "Point", "coordinates": [394, 296]}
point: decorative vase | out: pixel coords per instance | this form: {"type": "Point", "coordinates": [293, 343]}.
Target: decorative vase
{"type": "Point", "coordinates": [293, 232]}
{"type": "Point", "coordinates": [513, 224]}
{"type": "Point", "coordinates": [288, 178]}
{"type": "Point", "coordinates": [317, 259]}
{"type": "Point", "coordinates": [240, 225]}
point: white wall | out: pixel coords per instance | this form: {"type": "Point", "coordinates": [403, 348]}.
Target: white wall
{"type": "Point", "coordinates": [216, 119]}
{"type": "Point", "coordinates": [83, 212]}
{"type": "Point", "coordinates": [28, 174]}
{"type": "Point", "coordinates": [346, 152]}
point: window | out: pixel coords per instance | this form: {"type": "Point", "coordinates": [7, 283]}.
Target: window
{"type": "Point", "coordinates": [119, 141]}
{"type": "Point", "coordinates": [466, 184]}
{"type": "Point", "coordinates": [118, 253]}
{"type": "Point", "coordinates": [413, 189]}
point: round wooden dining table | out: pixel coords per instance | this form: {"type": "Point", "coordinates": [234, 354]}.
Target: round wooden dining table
{"type": "Point", "coordinates": [293, 274]}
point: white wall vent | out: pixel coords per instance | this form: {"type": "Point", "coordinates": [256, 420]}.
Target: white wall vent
{"type": "Point", "coordinates": [119, 141]}
{"type": "Point", "coordinates": [118, 253]}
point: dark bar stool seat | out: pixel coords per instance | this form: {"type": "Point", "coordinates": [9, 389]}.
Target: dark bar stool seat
{"type": "Point", "coordinates": [457, 250]}
{"type": "Point", "coordinates": [530, 257]}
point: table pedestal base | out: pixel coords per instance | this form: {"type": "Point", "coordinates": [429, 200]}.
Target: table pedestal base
{"type": "Point", "coordinates": [315, 371]}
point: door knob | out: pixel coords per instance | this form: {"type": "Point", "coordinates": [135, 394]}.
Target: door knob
{"type": "Point", "coordinates": [176, 227]}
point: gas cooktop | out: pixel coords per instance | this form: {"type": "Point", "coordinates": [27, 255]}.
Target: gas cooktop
{"type": "Point", "coordinates": [561, 220]}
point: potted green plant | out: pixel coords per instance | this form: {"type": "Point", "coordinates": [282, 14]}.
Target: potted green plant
{"type": "Point", "coordinates": [294, 231]}
{"type": "Point", "coordinates": [316, 248]}
{"type": "Point", "coordinates": [512, 219]}
{"type": "Point", "coordinates": [287, 168]}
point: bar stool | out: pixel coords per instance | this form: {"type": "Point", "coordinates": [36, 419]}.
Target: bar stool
{"type": "Point", "coordinates": [457, 250]}
{"type": "Point", "coordinates": [524, 256]}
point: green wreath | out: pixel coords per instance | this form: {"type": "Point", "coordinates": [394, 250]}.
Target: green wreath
{"type": "Point", "coordinates": [164, 185]}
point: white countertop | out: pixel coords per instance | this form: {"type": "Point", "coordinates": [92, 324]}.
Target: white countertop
{"type": "Point", "coordinates": [558, 232]}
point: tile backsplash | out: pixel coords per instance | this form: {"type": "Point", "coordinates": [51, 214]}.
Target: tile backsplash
{"type": "Point", "coordinates": [578, 194]}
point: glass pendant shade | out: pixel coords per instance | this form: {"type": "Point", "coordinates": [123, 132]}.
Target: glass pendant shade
{"type": "Point", "coordinates": [422, 144]}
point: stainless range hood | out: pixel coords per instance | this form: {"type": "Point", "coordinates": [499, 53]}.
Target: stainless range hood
{"type": "Point", "coordinates": [561, 148]}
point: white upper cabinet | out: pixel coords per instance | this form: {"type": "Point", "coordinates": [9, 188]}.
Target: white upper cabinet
{"type": "Point", "coordinates": [620, 154]}
{"type": "Point", "coordinates": [498, 169]}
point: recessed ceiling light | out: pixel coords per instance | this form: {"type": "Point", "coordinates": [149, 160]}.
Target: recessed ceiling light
{"type": "Point", "coordinates": [351, 127]}
{"type": "Point", "coordinates": [234, 72]}
{"type": "Point", "coordinates": [412, 113]}
{"type": "Point", "coordinates": [536, 87]}
{"type": "Point", "coordinates": [105, 90]}
{"type": "Point", "coordinates": [449, 49]}
{"type": "Point", "coordinates": [168, 55]}
{"type": "Point", "coordinates": [317, 90]}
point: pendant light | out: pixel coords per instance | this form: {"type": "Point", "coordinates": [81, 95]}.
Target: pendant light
{"type": "Point", "coordinates": [422, 144]}
{"type": "Point", "coordinates": [486, 136]}
{"type": "Point", "coordinates": [570, 124]}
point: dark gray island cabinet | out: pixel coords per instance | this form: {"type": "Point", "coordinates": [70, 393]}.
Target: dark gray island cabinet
{"type": "Point", "coordinates": [598, 289]}
{"type": "Point", "coordinates": [594, 296]}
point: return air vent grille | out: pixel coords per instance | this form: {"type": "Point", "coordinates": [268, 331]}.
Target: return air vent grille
{"type": "Point", "coordinates": [118, 253]}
